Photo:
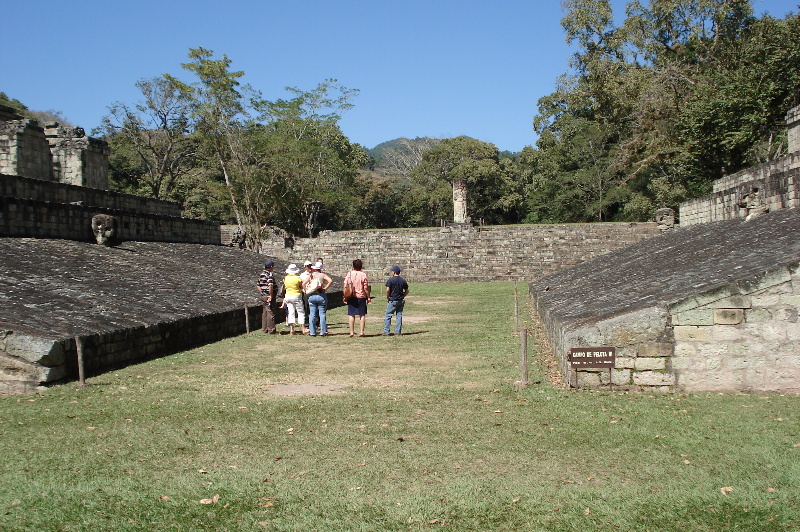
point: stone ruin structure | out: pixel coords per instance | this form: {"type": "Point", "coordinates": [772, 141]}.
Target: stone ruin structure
{"type": "Point", "coordinates": [711, 306]}
{"type": "Point", "coordinates": [51, 153]}
{"type": "Point", "coordinates": [159, 284]}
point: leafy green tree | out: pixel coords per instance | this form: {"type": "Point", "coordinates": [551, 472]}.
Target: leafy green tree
{"type": "Point", "coordinates": [459, 165]}
{"type": "Point", "coordinates": [151, 143]}
{"type": "Point", "coordinates": [680, 94]}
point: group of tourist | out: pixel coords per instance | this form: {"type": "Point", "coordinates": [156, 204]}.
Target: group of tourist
{"type": "Point", "coordinates": [305, 298]}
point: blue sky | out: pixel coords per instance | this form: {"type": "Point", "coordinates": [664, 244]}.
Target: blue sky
{"type": "Point", "coordinates": [423, 68]}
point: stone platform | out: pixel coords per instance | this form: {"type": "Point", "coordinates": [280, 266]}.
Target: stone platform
{"type": "Point", "coordinates": [130, 302]}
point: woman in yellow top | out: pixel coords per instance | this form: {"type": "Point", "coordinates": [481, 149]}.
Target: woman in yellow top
{"type": "Point", "coordinates": [293, 300]}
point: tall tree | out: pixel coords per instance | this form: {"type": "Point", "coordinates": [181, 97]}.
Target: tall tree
{"type": "Point", "coordinates": [471, 169]}
{"type": "Point", "coordinates": [154, 133]}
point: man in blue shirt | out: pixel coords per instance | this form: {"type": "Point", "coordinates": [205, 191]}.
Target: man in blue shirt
{"type": "Point", "coordinates": [396, 292]}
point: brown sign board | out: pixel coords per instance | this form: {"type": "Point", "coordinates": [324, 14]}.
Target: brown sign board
{"type": "Point", "coordinates": [592, 357]}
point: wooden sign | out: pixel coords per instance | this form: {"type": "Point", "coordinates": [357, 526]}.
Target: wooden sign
{"type": "Point", "coordinates": [592, 357]}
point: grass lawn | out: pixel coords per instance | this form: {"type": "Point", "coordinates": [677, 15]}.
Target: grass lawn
{"type": "Point", "coordinates": [417, 432]}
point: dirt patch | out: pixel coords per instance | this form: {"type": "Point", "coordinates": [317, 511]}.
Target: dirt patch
{"type": "Point", "coordinates": [444, 300]}
{"type": "Point", "coordinates": [305, 389]}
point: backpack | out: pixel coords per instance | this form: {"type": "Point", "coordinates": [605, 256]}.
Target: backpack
{"type": "Point", "coordinates": [314, 284]}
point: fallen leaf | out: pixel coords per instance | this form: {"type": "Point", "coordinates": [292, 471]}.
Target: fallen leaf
{"type": "Point", "coordinates": [687, 462]}
{"type": "Point", "coordinates": [165, 498]}
{"type": "Point", "coordinates": [587, 511]}
{"type": "Point", "coordinates": [726, 490]}
{"type": "Point", "coordinates": [435, 521]}
{"type": "Point", "coordinates": [90, 428]}
{"type": "Point", "coordinates": [771, 490]}
{"type": "Point", "coordinates": [213, 500]}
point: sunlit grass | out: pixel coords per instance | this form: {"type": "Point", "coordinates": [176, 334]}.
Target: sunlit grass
{"type": "Point", "coordinates": [420, 431]}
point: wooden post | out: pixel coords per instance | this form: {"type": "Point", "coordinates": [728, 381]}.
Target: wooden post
{"type": "Point", "coordinates": [246, 321]}
{"type": "Point", "coordinates": [516, 309]}
{"type": "Point", "coordinates": [81, 374]}
{"type": "Point", "coordinates": [523, 364]}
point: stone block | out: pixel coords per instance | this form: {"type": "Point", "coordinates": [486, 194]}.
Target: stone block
{"type": "Point", "coordinates": [788, 314]}
{"type": "Point", "coordinates": [653, 378]}
{"type": "Point", "coordinates": [693, 317]}
{"type": "Point", "coordinates": [650, 363]}
{"type": "Point", "coordinates": [682, 363]}
{"type": "Point", "coordinates": [793, 332]}
{"type": "Point", "coordinates": [766, 299]}
{"type": "Point", "coordinates": [655, 349]}
{"type": "Point", "coordinates": [712, 296]}
{"type": "Point", "coordinates": [683, 305]}
{"type": "Point", "coordinates": [736, 301]}
{"type": "Point", "coordinates": [775, 277]}
{"type": "Point", "coordinates": [712, 349]}
{"type": "Point", "coordinates": [713, 363]}
{"type": "Point", "coordinates": [737, 364]}
{"type": "Point", "coordinates": [618, 377]}
{"type": "Point", "coordinates": [691, 333]}
{"type": "Point", "coordinates": [684, 349]}
{"type": "Point", "coordinates": [625, 362]}
{"type": "Point", "coordinates": [740, 349]}
{"type": "Point", "coordinates": [791, 299]}
{"type": "Point", "coordinates": [728, 316]}
{"type": "Point", "coordinates": [44, 351]}
{"type": "Point", "coordinates": [588, 379]}
{"type": "Point", "coordinates": [757, 315]}
{"type": "Point", "coordinates": [726, 333]}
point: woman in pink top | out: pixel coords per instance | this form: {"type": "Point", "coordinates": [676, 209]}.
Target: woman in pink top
{"type": "Point", "coordinates": [357, 303]}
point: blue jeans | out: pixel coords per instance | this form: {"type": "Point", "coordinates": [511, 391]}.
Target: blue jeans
{"type": "Point", "coordinates": [317, 306]}
{"type": "Point", "coordinates": [394, 307]}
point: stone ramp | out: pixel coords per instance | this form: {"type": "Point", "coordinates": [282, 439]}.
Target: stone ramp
{"type": "Point", "coordinates": [669, 304]}
{"type": "Point", "coordinates": [129, 302]}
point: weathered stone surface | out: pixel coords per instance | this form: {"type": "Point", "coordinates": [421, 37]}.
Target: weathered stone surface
{"type": "Point", "coordinates": [728, 316]}
{"type": "Point", "coordinates": [650, 363]}
{"type": "Point", "coordinates": [653, 378]}
{"type": "Point", "coordinates": [455, 253]}
{"type": "Point", "coordinates": [694, 317]}
{"type": "Point", "coordinates": [39, 350]}
{"type": "Point", "coordinates": [134, 301]}
{"type": "Point", "coordinates": [721, 300]}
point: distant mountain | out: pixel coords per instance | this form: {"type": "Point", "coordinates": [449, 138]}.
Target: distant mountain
{"type": "Point", "coordinates": [399, 156]}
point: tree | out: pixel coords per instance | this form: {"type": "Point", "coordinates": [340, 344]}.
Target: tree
{"type": "Point", "coordinates": [218, 110]}
{"type": "Point", "coordinates": [152, 139]}
{"type": "Point", "coordinates": [470, 167]}
{"type": "Point", "coordinates": [681, 93]}
{"type": "Point", "coordinates": [309, 148]}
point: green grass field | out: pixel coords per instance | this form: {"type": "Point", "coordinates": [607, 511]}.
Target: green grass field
{"type": "Point", "coordinates": [418, 432]}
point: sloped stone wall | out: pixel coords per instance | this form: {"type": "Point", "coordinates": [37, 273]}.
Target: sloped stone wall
{"type": "Point", "coordinates": [132, 302]}
{"type": "Point", "coordinates": [708, 307]}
